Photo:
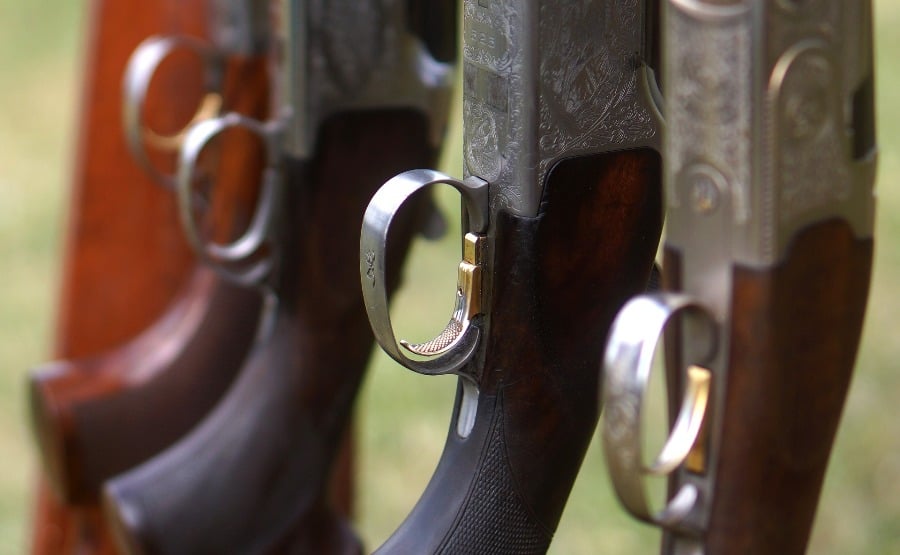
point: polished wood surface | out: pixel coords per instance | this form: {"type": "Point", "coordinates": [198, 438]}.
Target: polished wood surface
{"type": "Point", "coordinates": [794, 337]}
{"type": "Point", "coordinates": [97, 416]}
{"type": "Point", "coordinates": [123, 261]}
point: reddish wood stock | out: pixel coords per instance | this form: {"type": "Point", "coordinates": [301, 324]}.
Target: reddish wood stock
{"type": "Point", "coordinates": [95, 417]}
{"type": "Point", "coordinates": [795, 332]}
{"type": "Point", "coordinates": [122, 263]}
{"type": "Point", "coordinates": [98, 414]}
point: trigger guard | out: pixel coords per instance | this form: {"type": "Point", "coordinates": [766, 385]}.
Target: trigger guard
{"type": "Point", "coordinates": [139, 72]}
{"type": "Point", "coordinates": [627, 366]}
{"type": "Point", "coordinates": [373, 268]}
{"type": "Point", "coordinates": [220, 256]}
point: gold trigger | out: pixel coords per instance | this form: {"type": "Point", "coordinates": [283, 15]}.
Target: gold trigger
{"type": "Point", "coordinates": [209, 108]}
{"type": "Point", "coordinates": [468, 301]}
{"type": "Point", "coordinates": [687, 443]}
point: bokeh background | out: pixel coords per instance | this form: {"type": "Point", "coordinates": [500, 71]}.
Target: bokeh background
{"type": "Point", "coordinates": [402, 417]}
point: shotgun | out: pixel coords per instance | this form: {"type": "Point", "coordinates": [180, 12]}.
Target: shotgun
{"type": "Point", "coordinates": [770, 164]}
{"type": "Point", "coordinates": [563, 211]}
{"type": "Point", "coordinates": [95, 417]}
{"type": "Point", "coordinates": [366, 95]}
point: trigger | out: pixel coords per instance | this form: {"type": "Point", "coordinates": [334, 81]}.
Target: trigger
{"type": "Point", "coordinates": [209, 108]}
{"type": "Point", "coordinates": [452, 331]}
{"type": "Point", "coordinates": [467, 305]}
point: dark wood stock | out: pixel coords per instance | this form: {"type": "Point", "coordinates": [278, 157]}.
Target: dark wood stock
{"type": "Point", "coordinates": [559, 280]}
{"type": "Point", "coordinates": [794, 338]}
{"type": "Point", "coordinates": [251, 478]}
{"type": "Point", "coordinates": [121, 263]}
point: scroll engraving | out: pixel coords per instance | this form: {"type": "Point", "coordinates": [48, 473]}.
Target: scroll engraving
{"type": "Point", "coordinates": [718, 58]}
{"type": "Point", "coordinates": [353, 40]}
{"type": "Point", "coordinates": [808, 143]}
{"type": "Point", "coordinates": [591, 100]}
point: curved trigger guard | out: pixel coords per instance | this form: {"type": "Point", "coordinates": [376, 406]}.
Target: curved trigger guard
{"type": "Point", "coordinates": [627, 365]}
{"type": "Point", "coordinates": [455, 346]}
{"type": "Point", "coordinates": [139, 72]}
{"type": "Point", "coordinates": [227, 258]}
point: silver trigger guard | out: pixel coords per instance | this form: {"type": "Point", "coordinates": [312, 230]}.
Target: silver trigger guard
{"type": "Point", "coordinates": [139, 72]}
{"type": "Point", "coordinates": [221, 257]}
{"type": "Point", "coordinates": [627, 365]}
{"type": "Point", "coordinates": [373, 268]}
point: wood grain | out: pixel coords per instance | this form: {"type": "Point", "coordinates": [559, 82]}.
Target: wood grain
{"type": "Point", "coordinates": [794, 337]}
{"type": "Point", "coordinates": [123, 262]}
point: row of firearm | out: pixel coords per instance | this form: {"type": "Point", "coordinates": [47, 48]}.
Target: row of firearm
{"type": "Point", "coordinates": [219, 428]}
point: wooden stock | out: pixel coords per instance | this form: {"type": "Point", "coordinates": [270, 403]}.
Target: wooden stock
{"type": "Point", "coordinates": [252, 477]}
{"type": "Point", "coordinates": [123, 262]}
{"type": "Point", "coordinates": [795, 332]}
{"type": "Point", "coordinates": [98, 416]}
{"type": "Point", "coordinates": [558, 281]}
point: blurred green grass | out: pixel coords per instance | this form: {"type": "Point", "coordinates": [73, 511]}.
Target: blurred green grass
{"type": "Point", "coordinates": [403, 416]}
{"type": "Point", "coordinates": [39, 64]}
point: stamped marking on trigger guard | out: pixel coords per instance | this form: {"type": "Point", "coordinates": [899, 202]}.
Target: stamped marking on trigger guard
{"type": "Point", "coordinates": [370, 263]}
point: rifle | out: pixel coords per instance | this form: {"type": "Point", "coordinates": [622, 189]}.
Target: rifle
{"type": "Point", "coordinates": [770, 164]}
{"type": "Point", "coordinates": [104, 278]}
{"type": "Point", "coordinates": [563, 212]}
{"type": "Point", "coordinates": [364, 98]}
{"type": "Point", "coordinates": [95, 417]}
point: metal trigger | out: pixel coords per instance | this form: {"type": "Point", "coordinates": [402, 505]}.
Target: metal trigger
{"type": "Point", "coordinates": [627, 366]}
{"type": "Point", "coordinates": [468, 302]}
{"type": "Point", "coordinates": [449, 352]}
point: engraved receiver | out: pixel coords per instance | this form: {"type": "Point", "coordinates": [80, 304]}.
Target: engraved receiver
{"type": "Point", "coordinates": [769, 168]}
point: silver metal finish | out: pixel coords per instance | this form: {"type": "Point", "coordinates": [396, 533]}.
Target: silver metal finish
{"type": "Point", "coordinates": [357, 55]}
{"type": "Point", "coordinates": [373, 264]}
{"type": "Point", "coordinates": [760, 97]}
{"type": "Point", "coordinates": [250, 258]}
{"type": "Point", "coordinates": [627, 365]}
{"type": "Point", "coordinates": [238, 28]}
{"type": "Point", "coordinates": [551, 80]}
{"type": "Point", "coordinates": [543, 81]}
{"type": "Point", "coordinates": [139, 72]}
{"type": "Point", "coordinates": [335, 56]}
{"type": "Point", "coordinates": [765, 137]}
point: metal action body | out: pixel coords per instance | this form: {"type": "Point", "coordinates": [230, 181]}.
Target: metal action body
{"type": "Point", "coordinates": [359, 101]}
{"type": "Point", "coordinates": [770, 161]}
{"type": "Point", "coordinates": [563, 206]}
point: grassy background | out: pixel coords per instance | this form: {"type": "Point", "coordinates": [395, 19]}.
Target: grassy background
{"type": "Point", "coordinates": [404, 416]}
{"type": "Point", "coordinates": [40, 43]}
